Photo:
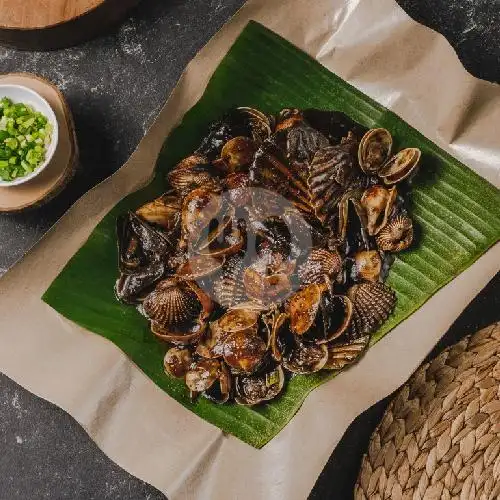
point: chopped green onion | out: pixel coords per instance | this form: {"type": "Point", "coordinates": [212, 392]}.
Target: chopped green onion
{"type": "Point", "coordinates": [25, 135]}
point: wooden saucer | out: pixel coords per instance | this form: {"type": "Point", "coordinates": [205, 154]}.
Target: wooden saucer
{"type": "Point", "coordinates": [51, 24]}
{"type": "Point", "coordinates": [61, 168]}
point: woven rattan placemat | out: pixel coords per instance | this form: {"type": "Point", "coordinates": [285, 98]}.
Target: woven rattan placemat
{"type": "Point", "coordinates": [440, 436]}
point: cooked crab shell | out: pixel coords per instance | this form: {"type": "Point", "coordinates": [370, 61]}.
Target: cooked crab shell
{"type": "Point", "coordinates": [374, 150]}
{"type": "Point", "coordinates": [318, 315]}
{"type": "Point", "coordinates": [343, 354]}
{"type": "Point", "coordinates": [378, 203]}
{"type": "Point", "coordinates": [367, 265]}
{"type": "Point", "coordinates": [244, 351]}
{"type": "Point", "coordinates": [178, 310]}
{"type": "Point", "coordinates": [396, 235]}
{"type": "Point", "coordinates": [321, 266]}
{"type": "Point", "coordinates": [373, 302]}
{"type": "Point", "coordinates": [254, 389]}
{"type": "Point", "coordinates": [177, 361]}
{"type": "Point", "coordinates": [400, 166]}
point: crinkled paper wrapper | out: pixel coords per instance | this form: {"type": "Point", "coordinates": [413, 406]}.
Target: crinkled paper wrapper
{"type": "Point", "coordinates": [408, 68]}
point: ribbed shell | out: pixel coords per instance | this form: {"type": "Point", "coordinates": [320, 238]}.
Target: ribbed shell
{"type": "Point", "coordinates": [331, 172]}
{"type": "Point", "coordinates": [373, 302]}
{"type": "Point", "coordinates": [228, 288]}
{"type": "Point", "coordinates": [185, 180]}
{"type": "Point", "coordinates": [320, 264]}
{"type": "Point", "coordinates": [396, 235]}
{"type": "Point", "coordinates": [346, 353]}
{"type": "Point", "coordinates": [172, 305]}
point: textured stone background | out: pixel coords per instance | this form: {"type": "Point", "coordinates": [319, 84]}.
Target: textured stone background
{"type": "Point", "coordinates": [115, 85]}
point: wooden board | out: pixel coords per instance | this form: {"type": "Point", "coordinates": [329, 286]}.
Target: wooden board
{"type": "Point", "coordinates": [50, 24]}
{"type": "Point", "coordinates": [62, 166]}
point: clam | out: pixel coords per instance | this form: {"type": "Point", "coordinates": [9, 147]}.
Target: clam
{"type": "Point", "coordinates": [239, 319]}
{"type": "Point", "coordinates": [318, 315]}
{"type": "Point", "coordinates": [260, 124]}
{"type": "Point", "coordinates": [321, 266]}
{"type": "Point", "coordinates": [237, 154]}
{"type": "Point", "coordinates": [199, 266]}
{"type": "Point", "coordinates": [165, 212]}
{"type": "Point", "coordinates": [373, 302]}
{"type": "Point", "coordinates": [332, 172]}
{"type": "Point", "coordinates": [228, 287]}
{"type": "Point", "coordinates": [400, 166]}
{"type": "Point", "coordinates": [396, 235]}
{"type": "Point", "coordinates": [305, 358]}
{"type": "Point", "coordinates": [244, 351]}
{"type": "Point", "coordinates": [211, 345]}
{"type": "Point", "coordinates": [367, 265]}
{"type": "Point", "coordinates": [343, 354]}
{"type": "Point", "coordinates": [202, 375]}
{"type": "Point", "coordinates": [184, 180]}
{"type": "Point", "coordinates": [178, 310]}
{"type": "Point", "coordinates": [266, 288]}
{"type": "Point", "coordinates": [228, 238]}
{"type": "Point", "coordinates": [177, 361]}
{"type": "Point", "coordinates": [254, 389]}
{"type": "Point", "coordinates": [199, 208]}
{"type": "Point", "coordinates": [378, 203]}
{"type": "Point", "coordinates": [220, 391]}
{"type": "Point", "coordinates": [374, 150]}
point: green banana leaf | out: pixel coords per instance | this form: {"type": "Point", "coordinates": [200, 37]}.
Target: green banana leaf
{"type": "Point", "coordinates": [457, 212]}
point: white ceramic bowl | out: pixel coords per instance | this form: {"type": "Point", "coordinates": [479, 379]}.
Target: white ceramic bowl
{"type": "Point", "coordinates": [19, 93]}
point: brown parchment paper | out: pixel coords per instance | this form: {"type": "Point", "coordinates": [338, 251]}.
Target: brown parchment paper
{"type": "Point", "coordinates": [405, 66]}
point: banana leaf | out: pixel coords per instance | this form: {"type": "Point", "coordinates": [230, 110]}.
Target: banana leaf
{"type": "Point", "coordinates": [457, 213]}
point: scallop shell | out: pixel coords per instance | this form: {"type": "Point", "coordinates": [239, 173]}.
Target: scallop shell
{"type": "Point", "coordinates": [374, 150]}
{"type": "Point", "coordinates": [400, 166]}
{"type": "Point", "coordinates": [321, 265]}
{"type": "Point", "coordinates": [373, 302]}
{"type": "Point", "coordinates": [331, 173]}
{"type": "Point", "coordinates": [368, 265]}
{"type": "Point", "coordinates": [228, 287]}
{"type": "Point", "coordinates": [255, 389]}
{"type": "Point", "coordinates": [378, 202]}
{"type": "Point", "coordinates": [396, 235]}
{"type": "Point", "coordinates": [346, 353]}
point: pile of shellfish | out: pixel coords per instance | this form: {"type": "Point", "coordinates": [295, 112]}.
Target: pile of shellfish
{"type": "Point", "coordinates": [246, 290]}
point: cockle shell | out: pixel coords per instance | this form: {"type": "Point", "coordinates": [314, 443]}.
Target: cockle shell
{"type": "Point", "coordinates": [343, 354]}
{"type": "Point", "coordinates": [374, 150]}
{"type": "Point", "coordinates": [373, 302]}
{"type": "Point", "coordinates": [331, 173]}
{"type": "Point", "coordinates": [228, 287]}
{"type": "Point", "coordinates": [185, 180]}
{"type": "Point", "coordinates": [378, 203]}
{"type": "Point", "coordinates": [320, 266]}
{"type": "Point", "coordinates": [396, 235]}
